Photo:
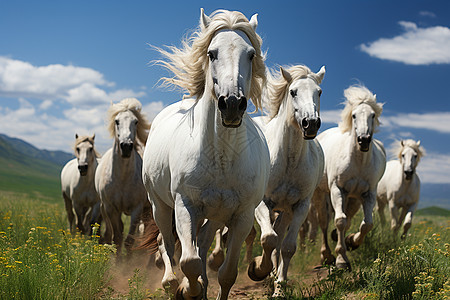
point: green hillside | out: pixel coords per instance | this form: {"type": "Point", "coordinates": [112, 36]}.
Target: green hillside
{"type": "Point", "coordinates": [22, 173]}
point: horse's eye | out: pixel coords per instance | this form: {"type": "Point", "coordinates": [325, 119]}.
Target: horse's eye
{"type": "Point", "coordinates": [354, 116]}
{"type": "Point", "coordinates": [320, 93]}
{"type": "Point", "coordinates": [212, 55]}
{"type": "Point", "coordinates": [78, 150]}
{"type": "Point", "coordinates": [293, 93]}
{"type": "Point", "coordinates": [117, 122]}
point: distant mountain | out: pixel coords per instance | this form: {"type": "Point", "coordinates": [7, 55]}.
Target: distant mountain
{"type": "Point", "coordinates": [27, 169]}
{"type": "Point", "coordinates": [434, 195]}
{"type": "Point", "coordinates": [57, 157]}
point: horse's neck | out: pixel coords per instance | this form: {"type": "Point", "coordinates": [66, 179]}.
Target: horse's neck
{"type": "Point", "coordinates": [363, 158]}
{"type": "Point", "coordinates": [289, 138]}
{"type": "Point", "coordinates": [227, 142]}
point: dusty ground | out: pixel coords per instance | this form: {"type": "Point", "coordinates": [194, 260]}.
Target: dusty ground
{"type": "Point", "coordinates": [244, 288]}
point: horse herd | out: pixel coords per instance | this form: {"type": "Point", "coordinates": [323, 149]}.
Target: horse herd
{"type": "Point", "coordinates": [205, 167]}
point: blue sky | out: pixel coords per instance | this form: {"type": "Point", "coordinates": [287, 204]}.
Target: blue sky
{"type": "Point", "coordinates": [61, 62]}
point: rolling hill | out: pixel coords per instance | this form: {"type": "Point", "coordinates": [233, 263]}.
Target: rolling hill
{"type": "Point", "coordinates": [27, 169]}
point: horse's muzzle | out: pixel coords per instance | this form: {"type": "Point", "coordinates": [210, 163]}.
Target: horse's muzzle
{"type": "Point", "coordinates": [126, 149]}
{"type": "Point", "coordinates": [83, 169]}
{"type": "Point", "coordinates": [409, 174]}
{"type": "Point", "coordinates": [232, 109]}
{"type": "Point", "coordinates": [310, 127]}
{"type": "Point", "coordinates": [364, 142]}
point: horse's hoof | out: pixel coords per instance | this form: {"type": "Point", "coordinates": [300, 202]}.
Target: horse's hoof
{"type": "Point", "coordinates": [334, 235]}
{"type": "Point", "coordinates": [215, 260]}
{"type": "Point", "coordinates": [170, 284]}
{"type": "Point", "coordinates": [345, 265]}
{"type": "Point", "coordinates": [182, 290]}
{"type": "Point", "coordinates": [251, 271]}
{"type": "Point", "coordinates": [349, 242]}
{"type": "Point", "coordinates": [328, 261]}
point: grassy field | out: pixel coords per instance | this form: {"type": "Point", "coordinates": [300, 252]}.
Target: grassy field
{"type": "Point", "coordinates": [39, 259]}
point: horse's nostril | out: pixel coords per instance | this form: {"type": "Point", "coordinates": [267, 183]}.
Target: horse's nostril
{"type": "Point", "coordinates": [243, 104]}
{"type": "Point", "coordinates": [222, 104]}
{"type": "Point", "coordinates": [305, 123]}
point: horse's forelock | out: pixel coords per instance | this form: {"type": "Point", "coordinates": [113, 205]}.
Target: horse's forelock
{"type": "Point", "coordinates": [188, 63]}
{"type": "Point", "coordinates": [133, 105]}
{"type": "Point", "coordinates": [355, 96]}
{"type": "Point", "coordinates": [85, 138]}
{"type": "Point", "coordinates": [399, 146]}
{"type": "Point", "coordinates": [277, 86]}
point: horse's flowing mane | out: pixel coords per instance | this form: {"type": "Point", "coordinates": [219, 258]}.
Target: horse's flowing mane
{"type": "Point", "coordinates": [85, 138]}
{"type": "Point", "coordinates": [277, 87]}
{"type": "Point", "coordinates": [355, 96]}
{"type": "Point", "coordinates": [189, 63]}
{"type": "Point", "coordinates": [133, 105]}
{"type": "Point", "coordinates": [398, 146]}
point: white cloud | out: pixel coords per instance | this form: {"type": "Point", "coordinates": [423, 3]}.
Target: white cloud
{"type": "Point", "coordinates": [425, 13]}
{"type": "Point", "coordinates": [65, 100]}
{"type": "Point", "coordinates": [438, 121]}
{"type": "Point", "coordinates": [434, 168]}
{"type": "Point", "coordinates": [416, 46]}
{"type": "Point", "coordinates": [330, 116]}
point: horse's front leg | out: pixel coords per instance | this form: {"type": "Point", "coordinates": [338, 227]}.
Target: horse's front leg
{"type": "Point", "coordinates": [321, 202]}
{"type": "Point", "coordinates": [338, 199]}
{"type": "Point", "coordinates": [190, 261]}
{"type": "Point", "coordinates": [261, 266]}
{"type": "Point", "coordinates": [70, 214]}
{"type": "Point", "coordinates": [369, 200]}
{"type": "Point", "coordinates": [136, 216]}
{"type": "Point", "coordinates": [408, 219]}
{"type": "Point", "coordinates": [289, 246]}
{"type": "Point", "coordinates": [239, 228]}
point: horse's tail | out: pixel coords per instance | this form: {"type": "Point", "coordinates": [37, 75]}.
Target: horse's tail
{"type": "Point", "coordinates": [149, 239]}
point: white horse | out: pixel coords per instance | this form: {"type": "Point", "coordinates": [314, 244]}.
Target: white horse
{"type": "Point", "coordinates": [118, 179]}
{"type": "Point", "coordinates": [205, 158]}
{"type": "Point", "coordinates": [77, 185]}
{"type": "Point", "coordinates": [296, 167]}
{"type": "Point", "coordinates": [400, 185]}
{"type": "Point", "coordinates": [354, 163]}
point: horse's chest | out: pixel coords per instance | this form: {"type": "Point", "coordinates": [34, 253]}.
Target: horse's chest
{"type": "Point", "coordinates": [354, 186]}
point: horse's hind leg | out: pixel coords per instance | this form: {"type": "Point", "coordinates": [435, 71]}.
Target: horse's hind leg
{"type": "Point", "coordinates": [249, 244]}
{"type": "Point", "coordinates": [136, 216]}
{"type": "Point", "coordinates": [322, 203]}
{"type": "Point", "coordinates": [205, 238]}
{"type": "Point", "coordinates": [217, 256]}
{"type": "Point", "coordinates": [261, 266]}
{"type": "Point", "coordinates": [239, 229]}
{"type": "Point", "coordinates": [70, 214]}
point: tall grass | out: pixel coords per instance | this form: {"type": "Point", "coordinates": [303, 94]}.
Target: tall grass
{"type": "Point", "coordinates": [40, 260]}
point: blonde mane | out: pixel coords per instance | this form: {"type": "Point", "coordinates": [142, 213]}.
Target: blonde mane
{"type": "Point", "coordinates": [133, 105]}
{"type": "Point", "coordinates": [278, 87]}
{"type": "Point", "coordinates": [189, 63]}
{"type": "Point", "coordinates": [355, 96]}
{"type": "Point", "coordinates": [85, 138]}
{"type": "Point", "coordinates": [398, 146]}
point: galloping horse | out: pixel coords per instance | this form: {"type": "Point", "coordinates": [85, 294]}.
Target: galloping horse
{"type": "Point", "coordinates": [77, 184]}
{"type": "Point", "coordinates": [118, 178]}
{"type": "Point", "coordinates": [354, 163]}
{"type": "Point", "coordinates": [296, 167]}
{"type": "Point", "coordinates": [205, 158]}
{"type": "Point", "coordinates": [400, 185]}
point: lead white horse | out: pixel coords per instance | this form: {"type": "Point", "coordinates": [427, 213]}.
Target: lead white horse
{"type": "Point", "coordinates": [296, 167]}
{"type": "Point", "coordinates": [118, 179]}
{"type": "Point", "coordinates": [205, 158]}
{"type": "Point", "coordinates": [77, 185]}
{"type": "Point", "coordinates": [354, 163]}
{"type": "Point", "coordinates": [400, 185]}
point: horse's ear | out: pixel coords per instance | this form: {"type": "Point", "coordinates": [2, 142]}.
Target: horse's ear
{"type": "Point", "coordinates": [254, 21]}
{"type": "Point", "coordinates": [76, 135]}
{"type": "Point", "coordinates": [321, 73]}
{"type": "Point", "coordinates": [402, 143]}
{"type": "Point", "coordinates": [204, 19]}
{"type": "Point", "coordinates": [286, 75]}
{"type": "Point", "coordinates": [418, 143]}
{"type": "Point", "coordinates": [93, 136]}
